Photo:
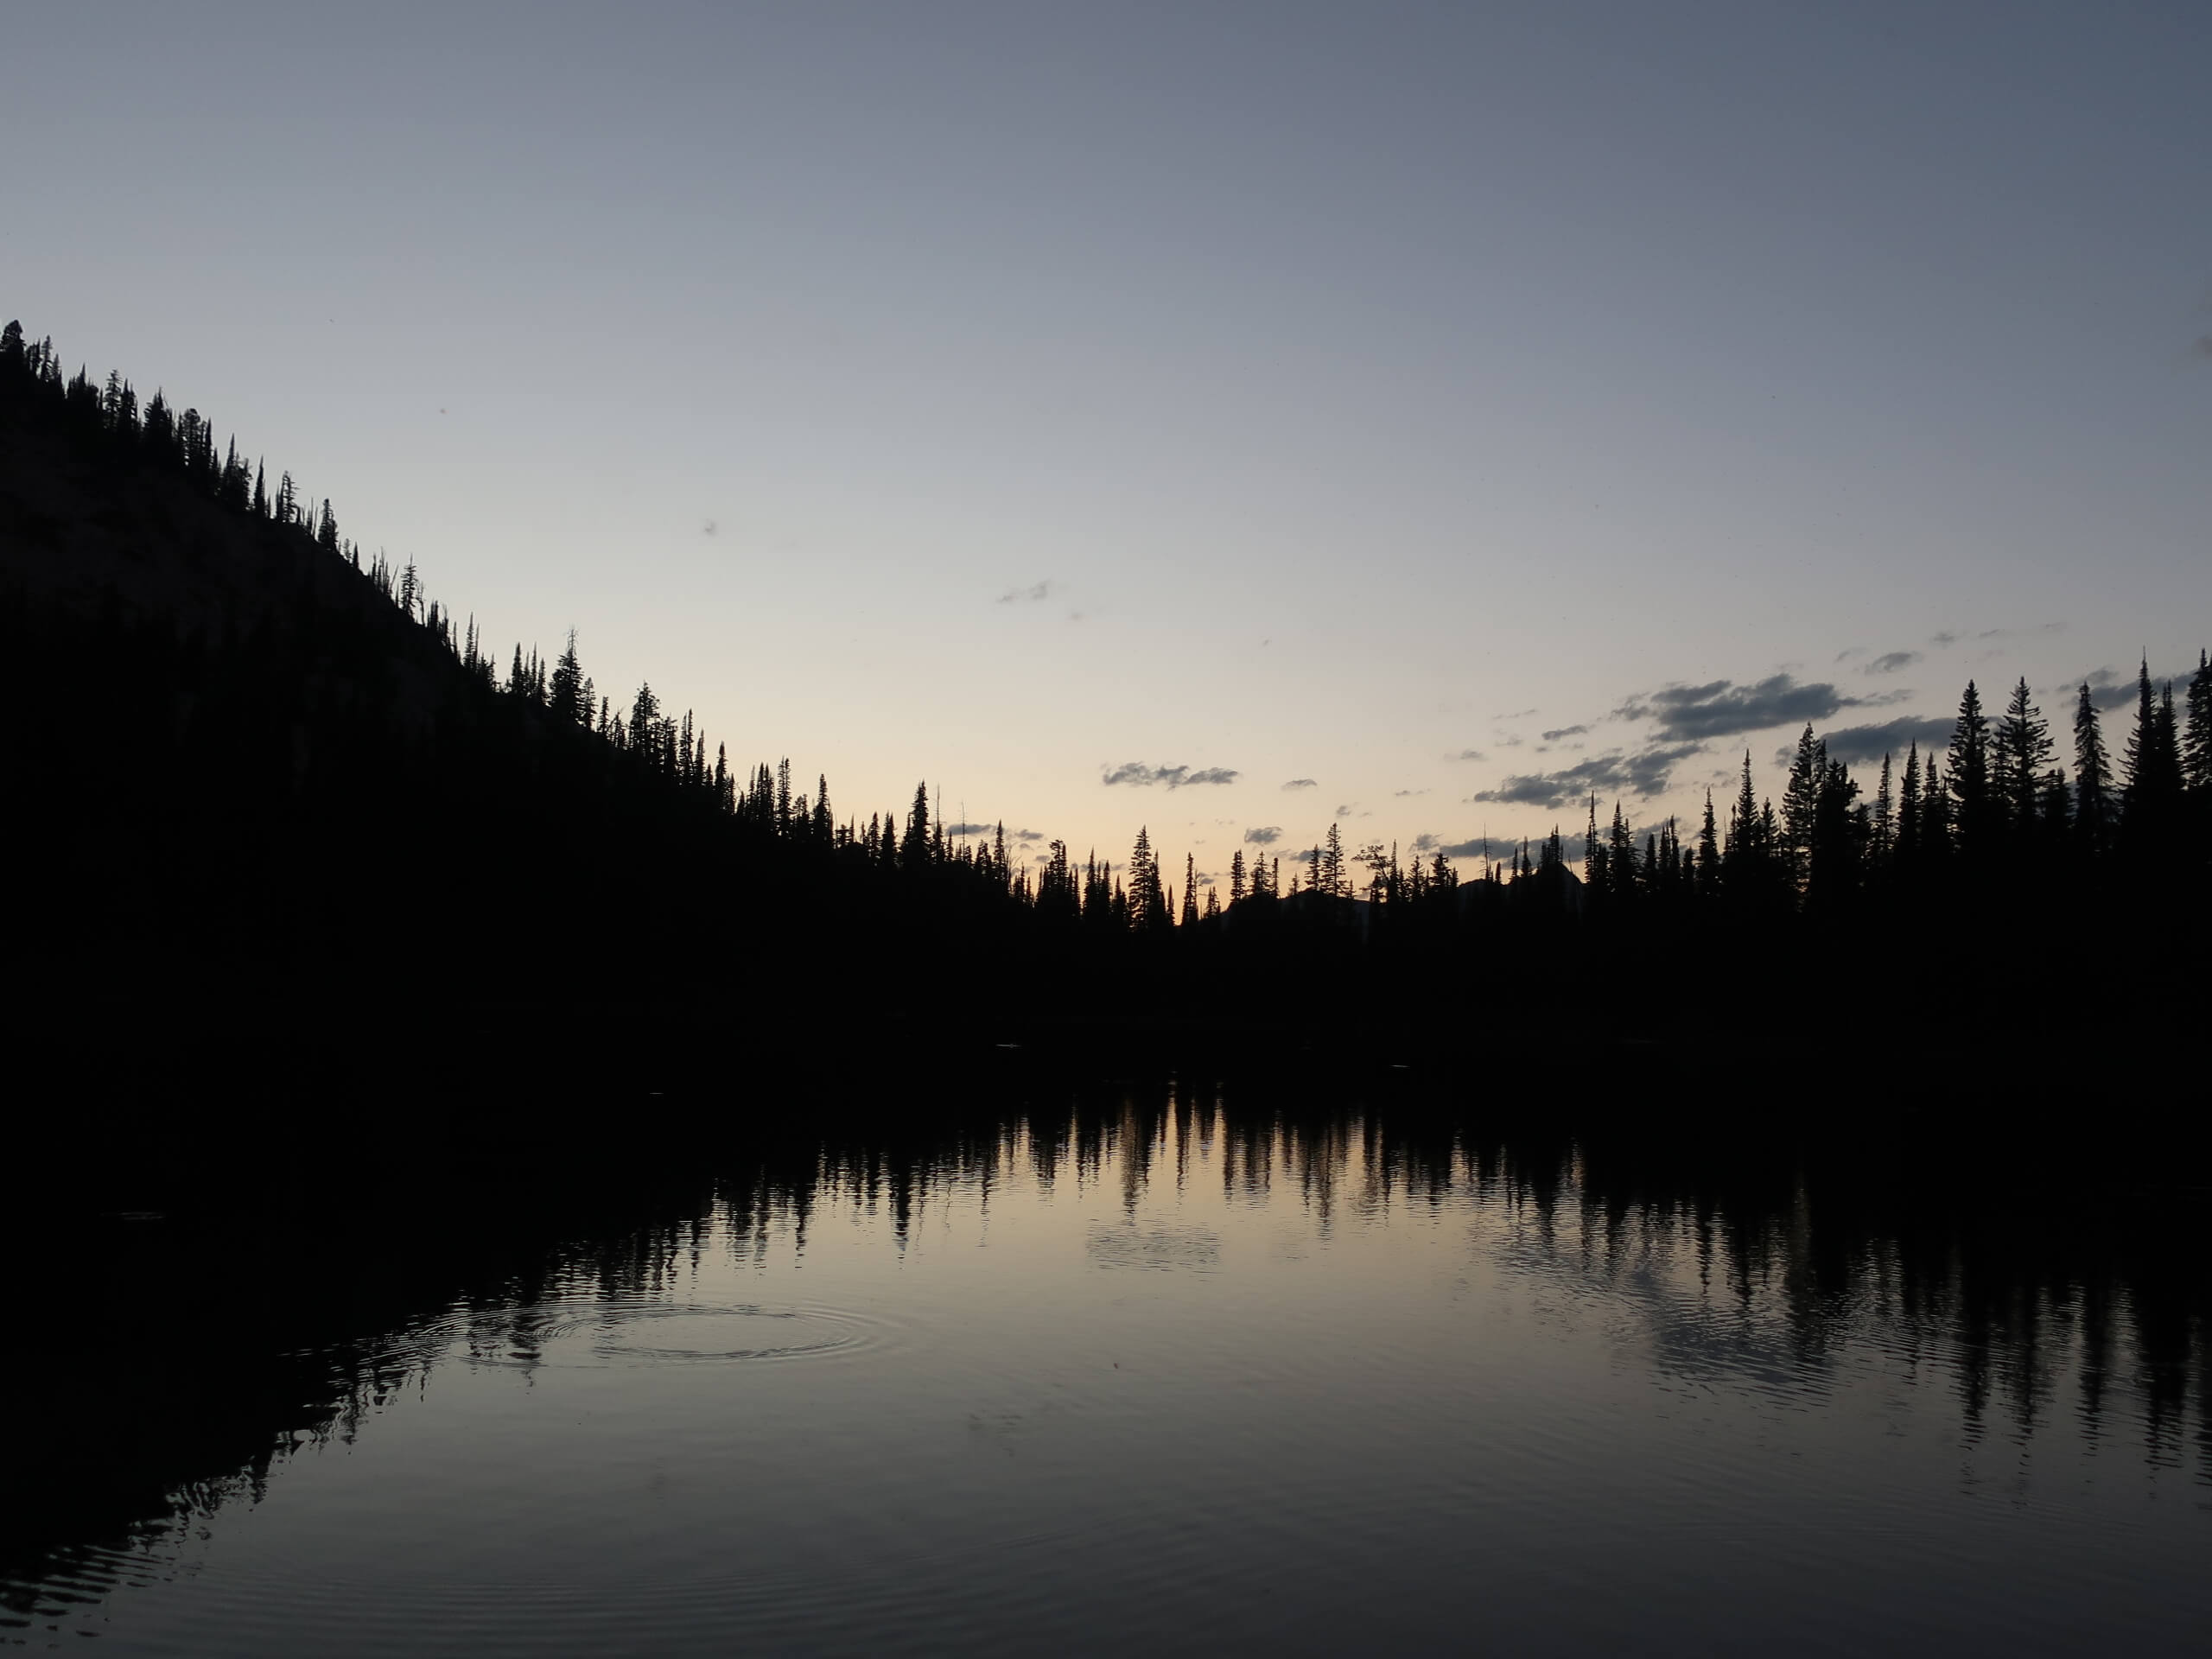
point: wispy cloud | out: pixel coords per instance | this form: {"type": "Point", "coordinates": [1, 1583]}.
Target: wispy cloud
{"type": "Point", "coordinates": [1029, 595]}
{"type": "Point", "coordinates": [1857, 745]}
{"type": "Point", "coordinates": [1723, 708]}
{"type": "Point", "coordinates": [2111, 687]}
{"type": "Point", "coordinates": [1136, 773]}
{"type": "Point", "coordinates": [1465, 754]}
{"type": "Point", "coordinates": [1301, 782]}
{"type": "Point", "coordinates": [1891, 661]}
{"type": "Point", "coordinates": [1263, 835]}
{"type": "Point", "coordinates": [1558, 731]}
{"type": "Point", "coordinates": [1642, 771]}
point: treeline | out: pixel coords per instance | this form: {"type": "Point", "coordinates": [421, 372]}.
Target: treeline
{"type": "Point", "coordinates": [1994, 811]}
{"type": "Point", "coordinates": [519, 812]}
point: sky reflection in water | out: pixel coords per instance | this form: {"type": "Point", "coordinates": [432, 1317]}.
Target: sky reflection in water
{"type": "Point", "coordinates": [1166, 1378]}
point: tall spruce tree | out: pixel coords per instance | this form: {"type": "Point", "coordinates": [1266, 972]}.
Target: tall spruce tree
{"type": "Point", "coordinates": [2092, 775]}
{"type": "Point", "coordinates": [2021, 755]}
{"type": "Point", "coordinates": [566, 701]}
{"type": "Point", "coordinates": [1708, 851]}
{"type": "Point", "coordinates": [1841, 832]}
{"type": "Point", "coordinates": [1801, 804]}
{"type": "Point", "coordinates": [1936, 839]}
{"type": "Point", "coordinates": [914, 849]}
{"type": "Point", "coordinates": [1746, 856]}
{"type": "Point", "coordinates": [1620, 856]}
{"type": "Point", "coordinates": [1882, 837]}
{"type": "Point", "coordinates": [1967, 769]}
{"type": "Point", "coordinates": [1909, 811]}
{"type": "Point", "coordinates": [2197, 740]}
{"type": "Point", "coordinates": [1148, 902]}
{"type": "Point", "coordinates": [2140, 754]}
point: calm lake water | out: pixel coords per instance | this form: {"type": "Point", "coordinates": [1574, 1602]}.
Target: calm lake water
{"type": "Point", "coordinates": [1154, 1377]}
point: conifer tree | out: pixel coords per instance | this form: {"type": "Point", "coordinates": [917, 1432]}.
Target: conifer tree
{"type": "Point", "coordinates": [2196, 739]}
{"type": "Point", "coordinates": [1750, 842]}
{"type": "Point", "coordinates": [914, 850]}
{"type": "Point", "coordinates": [1331, 868]}
{"type": "Point", "coordinates": [158, 438]}
{"type": "Point", "coordinates": [1934, 814]}
{"type": "Point", "coordinates": [2171, 779]}
{"type": "Point", "coordinates": [2151, 802]}
{"type": "Point", "coordinates": [234, 489]}
{"type": "Point", "coordinates": [2020, 756]}
{"type": "Point", "coordinates": [1800, 801]}
{"type": "Point", "coordinates": [1708, 851]}
{"type": "Point", "coordinates": [1967, 767]}
{"type": "Point", "coordinates": [2141, 752]}
{"type": "Point", "coordinates": [2054, 811]}
{"type": "Point", "coordinates": [1841, 832]}
{"type": "Point", "coordinates": [1909, 808]}
{"type": "Point", "coordinates": [2092, 775]}
{"type": "Point", "coordinates": [1236, 875]}
{"type": "Point", "coordinates": [1620, 856]}
{"type": "Point", "coordinates": [565, 701]}
{"type": "Point", "coordinates": [1883, 838]}
{"type": "Point", "coordinates": [1596, 871]}
{"type": "Point", "coordinates": [1190, 916]}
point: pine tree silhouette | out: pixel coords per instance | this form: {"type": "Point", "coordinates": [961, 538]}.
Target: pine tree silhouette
{"type": "Point", "coordinates": [2196, 740]}
{"type": "Point", "coordinates": [2092, 776]}
{"type": "Point", "coordinates": [2021, 755]}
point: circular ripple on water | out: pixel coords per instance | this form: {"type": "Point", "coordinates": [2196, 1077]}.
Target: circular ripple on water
{"type": "Point", "coordinates": [691, 1333]}
{"type": "Point", "coordinates": [624, 1332]}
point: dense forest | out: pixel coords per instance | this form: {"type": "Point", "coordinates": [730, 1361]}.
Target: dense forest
{"type": "Point", "coordinates": [274, 800]}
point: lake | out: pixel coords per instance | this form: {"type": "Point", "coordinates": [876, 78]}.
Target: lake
{"type": "Point", "coordinates": [1150, 1371]}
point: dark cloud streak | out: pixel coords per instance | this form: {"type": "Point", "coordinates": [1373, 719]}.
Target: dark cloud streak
{"type": "Point", "coordinates": [1857, 745]}
{"type": "Point", "coordinates": [1137, 773]}
{"type": "Point", "coordinates": [1694, 714]}
{"type": "Point", "coordinates": [1644, 773]}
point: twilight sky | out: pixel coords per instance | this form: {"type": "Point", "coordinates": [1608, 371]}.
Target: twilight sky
{"type": "Point", "coordinates": [1336, 400]}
